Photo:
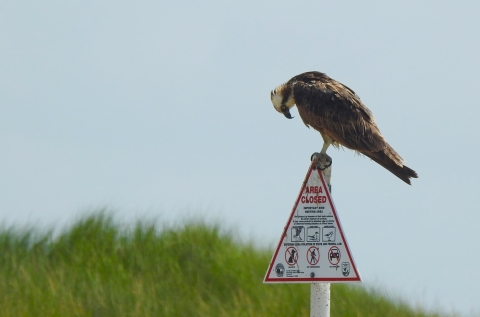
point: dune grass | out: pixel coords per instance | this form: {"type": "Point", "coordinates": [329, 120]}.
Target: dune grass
{"type": "Point", "coordinates": [98, 267]}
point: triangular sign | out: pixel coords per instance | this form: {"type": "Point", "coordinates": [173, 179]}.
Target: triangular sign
{"type": "Point", "coordinates": [313, 247]}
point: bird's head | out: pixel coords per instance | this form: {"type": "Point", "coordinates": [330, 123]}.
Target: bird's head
{"type": "Point", "coordinates": [282, 99]}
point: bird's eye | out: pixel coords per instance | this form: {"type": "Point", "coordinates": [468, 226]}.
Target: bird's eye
{"type": "Point", "coordinates": [272, 93]}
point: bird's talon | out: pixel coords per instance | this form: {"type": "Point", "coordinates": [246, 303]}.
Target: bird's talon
{"type": "Point", "coordinates": [322, 161]}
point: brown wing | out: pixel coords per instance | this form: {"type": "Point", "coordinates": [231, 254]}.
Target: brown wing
{"type": "Point", "coordinates": [335, 110]}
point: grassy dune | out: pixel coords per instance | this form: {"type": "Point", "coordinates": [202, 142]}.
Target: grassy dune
{"type": "Point", "coordinates": [101, 268]}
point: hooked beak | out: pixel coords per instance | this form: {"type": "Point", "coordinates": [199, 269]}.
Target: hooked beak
{"type": "Point", "coordinates": [286, 112]}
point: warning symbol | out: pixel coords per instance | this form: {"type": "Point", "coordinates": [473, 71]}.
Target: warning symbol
{"type": "Point", "coordinates": [328, 234]}
{"type": "Point", "coordinates": [334, 255]}
{"type": "Point", "coordinates": [313, 255]}
{"type": "Point", "coordinates": [313, 234]}
{"type": "Point", "coordinates": [298, 234]}
{"type": "Point", "coordinates": [291, 256]}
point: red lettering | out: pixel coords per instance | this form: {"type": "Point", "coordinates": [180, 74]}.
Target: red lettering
{"type": "Point", "coordinates": [314, 190]}
{"type": "Point", "coordinates": [313, 199]}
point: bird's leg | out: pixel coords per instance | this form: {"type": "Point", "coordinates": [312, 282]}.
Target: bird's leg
{"type": "Point", "coordinates": [322, 160]}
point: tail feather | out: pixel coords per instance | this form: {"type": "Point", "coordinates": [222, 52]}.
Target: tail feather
{"type": "Point", "coordinates": [403, 172]}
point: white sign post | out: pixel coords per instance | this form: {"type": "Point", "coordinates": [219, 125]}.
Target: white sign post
{"type": "Point", "coordinates": [320, 292]}
{"type": "Point", "coordinates": [313, 248]}
{"type": "Point", "coordinates": [320, 300]}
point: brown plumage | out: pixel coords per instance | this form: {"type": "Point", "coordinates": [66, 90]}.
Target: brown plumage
{"type": "Point", "coordinates": [342, 119]}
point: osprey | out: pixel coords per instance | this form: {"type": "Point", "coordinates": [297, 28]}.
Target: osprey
{"type": "Point", "coordinates": [337, 113]}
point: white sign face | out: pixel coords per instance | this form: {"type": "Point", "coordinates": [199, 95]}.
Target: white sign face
{"type": "Point", "coordinates": [313, 247]}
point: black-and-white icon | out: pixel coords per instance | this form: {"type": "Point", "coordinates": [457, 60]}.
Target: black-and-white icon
{"type": "Point", "coordinates": [345, 268]}
{"type": "Point", "coordinates": [328, 234]}
{"type": "Point", "coordinates": [291, 255]}
{"type": "Point", "coordinates": [298, 234]}
{"type": "Point", "coordinates": [313, 234]}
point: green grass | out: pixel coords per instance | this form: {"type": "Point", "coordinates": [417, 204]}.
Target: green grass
{"type": "Point", "coordinates": [99, 267]}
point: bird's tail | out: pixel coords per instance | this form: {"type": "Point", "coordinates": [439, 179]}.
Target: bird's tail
{"type": "Point", "coordinates": [401, 171]}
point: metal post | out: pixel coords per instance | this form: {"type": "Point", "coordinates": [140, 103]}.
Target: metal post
{"type": "Point", "coordinates": [320, 292]}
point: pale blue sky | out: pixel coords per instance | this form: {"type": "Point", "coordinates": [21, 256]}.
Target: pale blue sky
{"type": "Point", "coordinates": [162, 110]}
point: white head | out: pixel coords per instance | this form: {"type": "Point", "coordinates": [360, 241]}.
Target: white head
{"type": "Point", "coordinates": [282, 99]}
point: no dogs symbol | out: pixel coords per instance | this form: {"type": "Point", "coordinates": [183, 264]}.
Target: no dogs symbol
{"type": "Point", "coordinates": [291, 256]}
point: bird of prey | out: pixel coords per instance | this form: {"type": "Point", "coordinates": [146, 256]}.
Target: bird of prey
{"type": "Point", "coordinates": [339, 115]}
